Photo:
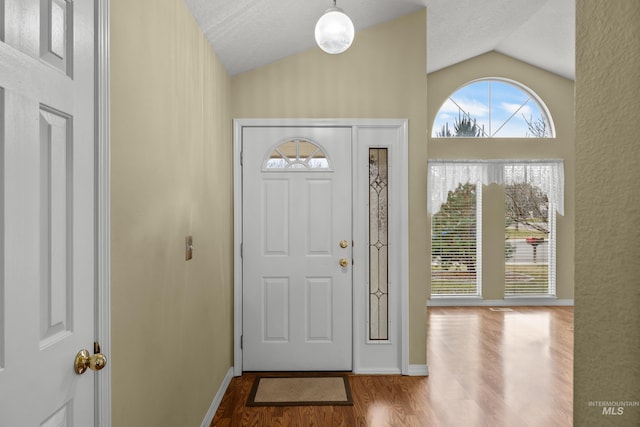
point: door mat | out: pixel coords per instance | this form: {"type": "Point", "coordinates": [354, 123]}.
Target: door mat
{"type": "Point", "coordinates": [301, 390]}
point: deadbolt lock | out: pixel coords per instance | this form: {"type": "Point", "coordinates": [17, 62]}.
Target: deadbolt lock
{"type": "Point", "coordinates": [344, 262]}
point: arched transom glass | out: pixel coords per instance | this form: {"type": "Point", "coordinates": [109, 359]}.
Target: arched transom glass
{"type": "Point", "coordinates": [493, 108]}
{"type": "Point", "coordinates": [299, 154]}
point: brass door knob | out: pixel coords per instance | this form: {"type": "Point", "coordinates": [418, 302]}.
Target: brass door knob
{"type": "Point", "coordinates": [344, 262]}
{"type": "Point", "coordinates": [86, 361]}
{"type": "Point", "coordinates": [344, 244]}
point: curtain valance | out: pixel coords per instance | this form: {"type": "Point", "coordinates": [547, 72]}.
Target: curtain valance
{"type": "Point", "coordinates": [446, 175]}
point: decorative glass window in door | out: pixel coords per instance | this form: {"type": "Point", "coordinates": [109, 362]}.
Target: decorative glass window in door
{"type": "Point", "coordinates": [378, 245]}
{"type": "Point", "coordinates": [298, 154]}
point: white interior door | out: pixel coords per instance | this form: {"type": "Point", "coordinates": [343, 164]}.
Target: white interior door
{"type": "Point", "coordinates": [297, 297]}
{"type": "Point", "coordinates": [47, 209]}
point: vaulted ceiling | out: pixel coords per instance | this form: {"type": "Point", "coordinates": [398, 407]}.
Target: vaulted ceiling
{"type": "Point", "coordinates": [247, 34]}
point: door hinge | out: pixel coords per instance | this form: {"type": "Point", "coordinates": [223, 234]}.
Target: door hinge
{"type": "Point", "coordinates": [241, 157]}
{"type": "Point", "coordinates": [241, 249]}
{"type": "Point", "coordinates": [241, 341]}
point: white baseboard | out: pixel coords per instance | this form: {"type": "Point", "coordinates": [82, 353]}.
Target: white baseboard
{"type": "Point", "coordinates": [507, 302]}
{"type": "Point", "coordinates": [377, 371]}
{"type": "Point", "coordinates": [217, 399]}
{"type": "Point", "coordinates": [414, 371]}
{"type": "Point", "coordinates": [418, 370]}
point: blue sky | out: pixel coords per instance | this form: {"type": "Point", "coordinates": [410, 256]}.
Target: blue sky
{"type": "Point", "coordinates": [492, 104]}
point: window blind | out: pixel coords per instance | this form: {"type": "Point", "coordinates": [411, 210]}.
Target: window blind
{"type": "Point", "coordinates": [456, 241]}
{"type": "Point", "coordinates": [530, 242]}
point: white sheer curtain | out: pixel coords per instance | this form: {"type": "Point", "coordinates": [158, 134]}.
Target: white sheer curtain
{"type": "Point", "coordinates": [446, 175]}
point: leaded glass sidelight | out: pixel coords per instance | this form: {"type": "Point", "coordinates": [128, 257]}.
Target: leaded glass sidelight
{"type": "Point", "coordinates": [298, 154]}
{"type": "Point", "coordinates": [378, 245]}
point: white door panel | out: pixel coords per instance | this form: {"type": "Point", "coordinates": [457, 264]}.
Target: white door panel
{"type": "Point", "coordinates": [47, 211]}
{"type": "Point", "coordinates": [297, 306]}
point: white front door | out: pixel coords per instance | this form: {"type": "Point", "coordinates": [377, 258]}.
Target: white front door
{"type": "Point", "coordinates": [47, 211]}
{"type": "Point", "coordinates": [297, 231]}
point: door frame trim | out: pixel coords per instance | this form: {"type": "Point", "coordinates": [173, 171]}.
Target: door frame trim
{"type": "Point", "coordinates": [102, 202]}
{"type": "Point", "coordinates": [399, 226]}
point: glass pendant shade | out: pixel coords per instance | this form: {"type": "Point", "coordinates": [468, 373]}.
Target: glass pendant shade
{"type": "Point", "coordinates": [334, 31]}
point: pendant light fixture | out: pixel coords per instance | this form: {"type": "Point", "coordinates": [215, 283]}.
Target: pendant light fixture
{"type": "Point", "coordinates": [334, 30]}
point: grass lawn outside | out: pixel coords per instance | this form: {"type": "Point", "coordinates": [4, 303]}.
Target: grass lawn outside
{"type": "Point", "coordinates": [520, 279]}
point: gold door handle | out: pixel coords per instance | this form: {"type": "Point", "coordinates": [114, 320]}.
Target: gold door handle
{"type": "Point", "coordinates": [85, 361]}
{"type": "Point", "coordinates": [344, 262]}
{"type": "Point", "coordinates": [344, 244]}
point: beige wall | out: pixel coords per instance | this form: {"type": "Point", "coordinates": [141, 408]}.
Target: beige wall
{"type": "Point", "coordinates": [170, 177]}
{"type": "Point", "coordinates": [382, 75]}
{"type": "Point", "coordinates": [558, 95]}
{"type": "Point", "coordinates": [607, 310]}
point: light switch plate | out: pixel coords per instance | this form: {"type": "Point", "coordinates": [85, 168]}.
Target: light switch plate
{"type": "Point", "coordinates": [188, 248]}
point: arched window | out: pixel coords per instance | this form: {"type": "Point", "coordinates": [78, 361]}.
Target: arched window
{"type": "Point", "coordinates": [299, 154]}
{"type": "Point", "coordinates": [493, 108]}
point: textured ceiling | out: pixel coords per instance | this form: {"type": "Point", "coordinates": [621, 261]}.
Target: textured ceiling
{"type": "Point", "coordinates": [247, 34]}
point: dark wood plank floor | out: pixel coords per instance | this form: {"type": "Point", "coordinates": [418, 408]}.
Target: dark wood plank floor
{"type": "Point", "coordinates": [487, 368]}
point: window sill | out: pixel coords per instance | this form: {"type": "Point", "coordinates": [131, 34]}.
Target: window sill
{"type": "Point", "coordinates": [509, 301]}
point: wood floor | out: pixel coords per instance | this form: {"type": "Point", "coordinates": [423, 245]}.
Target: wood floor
{"type": "Point", "coordinates": [486, 368]}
